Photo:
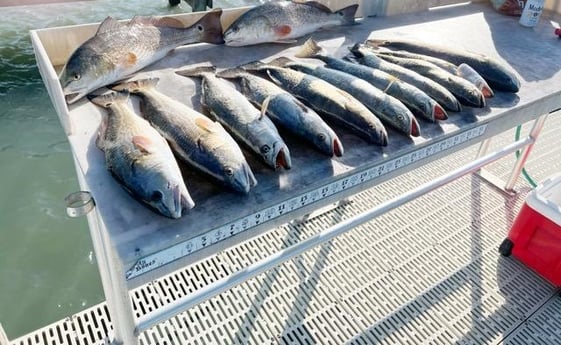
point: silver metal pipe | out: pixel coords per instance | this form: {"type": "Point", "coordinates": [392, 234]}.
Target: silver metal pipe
{"type": "Point", "coordinates": [149, 320]}
{"type": "Point", "coordinates": [517, 169]}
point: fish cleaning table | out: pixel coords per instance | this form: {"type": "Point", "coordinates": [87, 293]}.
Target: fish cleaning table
{"type": "Point", "coordinates": [143, 246]}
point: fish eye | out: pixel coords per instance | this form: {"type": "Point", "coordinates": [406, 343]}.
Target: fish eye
{"type": "Point", "coordinates": [265, 149]}
{"type": "Point", "coordinates": [229, 172]}
{"type": "Point", "coordinates": [235, 28]}
{"type": "Point", "coordinates": [156, 196]}
{"type": "Point", "coordinates": [400, 117]}
{"type": "Point", "coordinates": [321, 137]}
{"type": "Point", "coordinates": [76, 76]}
{"type": "Point", "coordinates": [200, 27]}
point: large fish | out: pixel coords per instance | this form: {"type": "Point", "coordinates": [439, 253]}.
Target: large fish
{"type": "Point", "coordinates": [284, 21]}
{"type": "Point", "coordinates": [140, 158]}
{"type": "Point", "coordinates": [118, 50]}
{"type": "Point", "coordinates": [326, 99]}
{"type": "Point", "coordinates": [436, 91]}
{"type": "Point", "coordinates": [388, 109]}
{"type": "Point", "coordinates": [418, 101]}
{"type": "Point", "coordinates": [466, 92]}
{"type": "Point", "coordinates": [496, 73]}
{"type": "Point", "coordinates": [463, 70]}
{"type": "Point", "coordinates": [287, 111]}
{"type": "Point", "coordinates": [195, 138]}
{"type": "Point", "coordinates": [238, 115]}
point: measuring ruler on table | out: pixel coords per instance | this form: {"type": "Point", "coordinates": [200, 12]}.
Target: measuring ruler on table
{"type": "Point", "coordinates": [221, 233]}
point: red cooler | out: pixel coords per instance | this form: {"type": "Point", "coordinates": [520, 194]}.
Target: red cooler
{"type": "Point", "coordinates": [535, 236]}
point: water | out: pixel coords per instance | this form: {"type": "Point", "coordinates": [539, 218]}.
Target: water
{"type": "Point", "coordinates": [47, 268]}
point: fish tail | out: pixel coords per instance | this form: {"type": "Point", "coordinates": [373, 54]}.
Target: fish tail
{"type": "Point", "coordinates": [309, 49]}
{"type": "Point", "coordinates": [231, 73]}
{"type": "Point", "coordinates": [107, 99]}
{"type": "Point", "coordinates": [197, 71]}
{"type": "Point", "coordinates": [280, 61]}
{"type": "Point", "coordinates": [348, 14]}
{"type": "Point", "coordinates": [211, 27]}
{"type": "Point", "coordinates": [355, 50]}
{"type": "Point", "coordinates": [376, 43]}
{"type": "Point", "coordinates": [136, 85]}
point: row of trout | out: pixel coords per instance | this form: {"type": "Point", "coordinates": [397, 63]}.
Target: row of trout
{"type": "Point", "coordinates": [369, 89]}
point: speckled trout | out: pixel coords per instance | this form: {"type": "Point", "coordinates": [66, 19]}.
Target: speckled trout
{"type": "Point", "coordinates": [118, 50]}
{"type": "Point", "coordinates": [284, 21]}
{"type": "Point", "coordinates": [287, 111]}
{"type": "Point", "coordinates": [140, 158]}
{"type": "Point", "coordinates": [496, 73]}
{"type": "Point", "coordinates": [246, 123]}
{"type": "Point", "coordinates": [439, 93]}
{"type": "Point", "coordinates": [195, 138]}
{"type": "Point", "coordinates": [415, 99]}
{"type": "Point", "coordinates": [326, 99]}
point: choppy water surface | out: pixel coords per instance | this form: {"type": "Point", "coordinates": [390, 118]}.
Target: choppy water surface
{"type": "Point", "coordinates": [47, 269]}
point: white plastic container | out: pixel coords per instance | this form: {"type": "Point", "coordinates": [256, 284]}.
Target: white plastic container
{"type": "Point", "coordinates": [531, 13]}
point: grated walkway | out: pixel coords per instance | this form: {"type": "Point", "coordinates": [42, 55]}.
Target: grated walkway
{"type": "Point", "coordinates": [425, 273]}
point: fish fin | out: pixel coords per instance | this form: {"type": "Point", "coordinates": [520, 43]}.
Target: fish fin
{"type": "Point", "coordinates": [376, 43]}
{"type": "Point", "coordinates": [285, 41]}
{"type": "Point", "coordinates": [282, 30]}
{"type": "Point", "coordinates": [309, 49]}
{"type": "Point", "coordinates": [254, 66]}
{"type": "Point", "coordinates": [348, 14]}
{"type": "Point", "coordinates": [142, 143]}
{"type": "Point", "coordinates": [210, 27]}
{"type": "Point", "coordinates": [232, 73]}
{"type": "Point", "coordinates": [280, 61]}
{"type": "Point", "coordinates": [317, 5]}
{"type": "Point", "coordinates": [265, 106]}
{"type": "Point", "coordinates": [108, 24]}
{"type": "Point", "coordinates": [106, 100]}
{"type": "Point", "coordinates": [136, 86]}
{"type": "Point", "coordinates": [168, 22]}
{"type": "Point", "coordinates": [197, 71]}
{"type": "Point", "coordinates": [206, 124]}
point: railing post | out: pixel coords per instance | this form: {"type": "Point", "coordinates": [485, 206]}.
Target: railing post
{"type": "Point", "coordinates": [114, 285]}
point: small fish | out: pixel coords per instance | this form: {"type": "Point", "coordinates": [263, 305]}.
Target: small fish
{"type": "Point", "coordinates": [284, 21]}
{"type": "Point", "coordinates": [195, 138]}
{"type": "Point", "coordinates": [439, 93]}
{"type": "Point", "coordinates": [140, 158]}
{"type": "Point", "coordinates": [118, 50]}
{"type": "Point", "coordinates": [244, 121]}
{"type": "Point", "coordinates": [465, 92]}
{"type": "Point", "coordinates": [496, 73]}
{"type": "Point", "coordinates": [389, 109]}
{"type": "Point", "coordinates": [287, 111]}
{"type": "Point", "coordinates": [326, 99]}
{"type": "Point", "coordinates": [411, 96]}
{"type": "Point", "coordinates": [463, 70]}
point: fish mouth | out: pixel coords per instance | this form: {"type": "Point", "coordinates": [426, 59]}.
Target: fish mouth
{"type": "Point", "coordinates": [245, 180]}
{"type": "Point", "coordinates": [415, 129]}
{"type": "Point", "coordinates": [282, 159]}
{"type": "Point", "coordinates": [233, 42]}
{"type": "Point", "coordinates": [337, 148]}
{"type": "Point", "coordinates": [181, 202]}
{"type": "Point", "coordinates": [439, 113]}
{"type": "Point", "coordinates": [486, 91]}
{"type": "Point", "coordinates": [73, 97]}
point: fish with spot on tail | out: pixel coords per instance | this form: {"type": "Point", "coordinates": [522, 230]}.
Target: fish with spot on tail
{"type": "Point", "coordinates": [496, 73]}
{"type": "Point", "coordinates": [197, 140]}
{"type": "Point", "coordinates": [287, 111]}
{"type": "Point", "coordinates": [118, 50]}
{"type": "Point", "coordinates": [365, 56]}
{"type": "Point", "coordinates": [240, 117]}
{"type": "Point", "coordinates": [284, 21]}
{"type": "Point", "coordinates": [326, 99]}
{"type": "Point", "coordinates": [140, 158]}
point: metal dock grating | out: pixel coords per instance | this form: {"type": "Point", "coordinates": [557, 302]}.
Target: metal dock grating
{"type": "Point", "coordinates": [425, 273]}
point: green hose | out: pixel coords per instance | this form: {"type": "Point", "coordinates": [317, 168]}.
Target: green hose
{"type": "Point", "coordinates": [524, 172]}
